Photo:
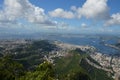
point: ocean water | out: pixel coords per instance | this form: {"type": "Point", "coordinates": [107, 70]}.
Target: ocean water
{"type": "Point", "coordinates": [97, 42]}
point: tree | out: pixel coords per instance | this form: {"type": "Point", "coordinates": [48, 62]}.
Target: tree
{"type": "Point", "coordinates": [79, 76]}
{"type": "Point", "coordinates": [10, 69]}
{"type": "Point", "coordinates": [44, 71]}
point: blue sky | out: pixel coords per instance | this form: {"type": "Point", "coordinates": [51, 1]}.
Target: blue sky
{"type": "Point", "coordinates": [64, 16]}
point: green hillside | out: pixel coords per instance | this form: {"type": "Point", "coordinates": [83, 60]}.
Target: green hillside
{"type": "Point", "coordinates": [28, 64]}
{"type": "Point", "coordinates": [75, 63]}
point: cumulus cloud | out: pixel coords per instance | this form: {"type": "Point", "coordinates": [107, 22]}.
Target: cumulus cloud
{"type": "Point", "coordinates": [96, 9]}
{"type": "Point", "coordinates": [61, 13]}
{"type": "Point", "coordinates": [25, 10]}
{"type": "Point", "coordinates": [114, 20]}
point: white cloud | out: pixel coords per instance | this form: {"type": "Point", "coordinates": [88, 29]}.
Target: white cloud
{"type": "Point", "coordinates": [25, 10]}
{"type": "Point", "coordinates": [74, 8]}
{"type": "Point", "coordinates": [96, 9]}
{"type": "Point", "coordinates": [61, 13]}
{"type": "Point", "coordinates": [115, 20]}
{"type": "Point", "coordinates": [83, 25]}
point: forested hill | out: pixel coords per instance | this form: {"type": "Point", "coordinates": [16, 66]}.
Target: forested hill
{"type": "Point", "coordinates": [32, 61]}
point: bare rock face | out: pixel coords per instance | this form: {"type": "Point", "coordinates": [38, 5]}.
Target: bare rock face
{"type": "Point", "coordinates": [117, 76]}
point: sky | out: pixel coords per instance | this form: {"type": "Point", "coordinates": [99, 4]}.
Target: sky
{"type": "Point", "coordinates": [59, 16]}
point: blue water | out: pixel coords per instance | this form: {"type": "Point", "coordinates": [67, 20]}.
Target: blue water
{"type": "Point", "coordinates": [97, 42]}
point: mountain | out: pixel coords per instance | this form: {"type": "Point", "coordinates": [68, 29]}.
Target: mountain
{"type": "Point", "coordinates": [48, 60]}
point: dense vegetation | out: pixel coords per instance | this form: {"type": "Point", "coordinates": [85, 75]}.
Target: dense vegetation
{"type": "Point", "coordinates": [33, 53]}
{"type": "Point", "coordinates": [96, 74]}
{"type": "Point", "coordinates": [75, 65]}
{"type": "Point", "coordinates": [44, 71]}
{"type": "Point", "coordinates": [28, 64]}
{"type": "Point", "coordinates": [68, 68]}
{"type": "Point", "coordinates": [10, 69]}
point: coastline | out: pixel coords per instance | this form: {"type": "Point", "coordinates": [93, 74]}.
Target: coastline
{"type": "Point", "coordinates": [109, 63]}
